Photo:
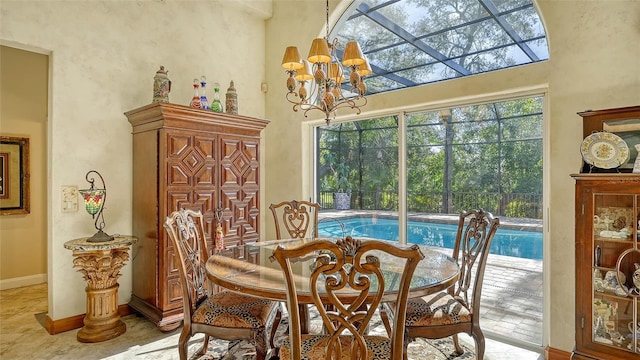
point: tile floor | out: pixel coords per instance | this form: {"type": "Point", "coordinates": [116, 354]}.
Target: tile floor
{"type": "Point", "coordinates": [22, 336]}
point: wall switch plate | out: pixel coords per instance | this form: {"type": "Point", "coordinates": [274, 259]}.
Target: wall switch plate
{"type": "Point", "coordinates": [69, 198]}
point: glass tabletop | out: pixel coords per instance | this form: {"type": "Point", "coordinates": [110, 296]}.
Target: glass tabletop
{"type": "Point", "coordinates": [264, 278]}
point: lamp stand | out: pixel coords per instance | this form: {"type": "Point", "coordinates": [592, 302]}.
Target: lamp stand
{"type": "Point", "coordinates": [100, 236]}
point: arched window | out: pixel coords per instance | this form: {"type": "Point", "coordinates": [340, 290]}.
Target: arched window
{"type": "Point", "coordinates": [415, 42]}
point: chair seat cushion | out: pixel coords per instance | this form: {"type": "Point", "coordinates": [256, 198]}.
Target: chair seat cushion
{"type": "Point", "coordinates": [229, 309]}
{"type": "Point", "coordinates": [313, 347]}
{"type": "Point", "coordinates": [436, 309]}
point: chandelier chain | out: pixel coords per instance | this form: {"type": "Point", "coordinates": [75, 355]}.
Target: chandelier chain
{"type": "Point", "coordinates": [327, 14]}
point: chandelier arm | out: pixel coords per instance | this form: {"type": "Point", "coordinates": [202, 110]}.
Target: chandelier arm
{"type": "Point", "coordinates": [314, 107]}
{"type": "Point", "coordinates": [292, 94]}
{"type": "Point", "coordinates": [347, 104]}
{"type": "Point", "coordinates": [352, 103]}
{"type": "Point", "coordinates": [355, 102]}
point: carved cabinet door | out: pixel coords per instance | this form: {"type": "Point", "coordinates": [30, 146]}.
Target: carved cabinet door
{"type": "Point", "coordinates": [239, 185]}
{"type": "Point", "coordinates": [191, 182]}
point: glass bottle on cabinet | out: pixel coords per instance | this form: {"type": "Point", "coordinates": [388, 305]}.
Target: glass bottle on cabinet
{"type": "Point", "coordinates": [607, 262]}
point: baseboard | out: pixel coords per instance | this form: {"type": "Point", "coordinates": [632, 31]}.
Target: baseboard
{"type": "Point", "coordinates": [555, 354]}
{"type": "Point", "coordinates": [75, 322]}
{"type": "Point", "coordinates": [13, 283]}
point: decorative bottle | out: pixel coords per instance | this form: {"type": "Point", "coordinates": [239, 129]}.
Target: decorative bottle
{"type": "Point", "coordinates": [195, 101]}
{"type": "Point", "coordinates": [204, 103]}
{"type": "Point", "coordinates": [232, 100]}
{"type": "Point", "coordinates": [161, 86]}
{"type": "Point", "coordinates": [216, 105]}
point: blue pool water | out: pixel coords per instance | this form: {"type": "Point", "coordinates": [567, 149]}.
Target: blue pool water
{"type": "Point", "coordinates": [517, 243]}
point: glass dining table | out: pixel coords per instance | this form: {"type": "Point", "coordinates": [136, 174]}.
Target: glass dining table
{"type": "Point", "coordinates": [262, 277]}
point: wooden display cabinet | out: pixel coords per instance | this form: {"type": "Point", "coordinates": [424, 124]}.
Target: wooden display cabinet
{"type": "Point", "coordinates": [607, 249]}
{"type": "Point", "coordinates": [196, 159]}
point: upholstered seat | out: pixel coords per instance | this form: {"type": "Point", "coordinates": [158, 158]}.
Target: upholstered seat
{"type": "Point", "coordinates": [231, 310]}
{"type": "Point", "coordinates": [314, 347]}
{"type": "Point", "coordinates": [437, 309]}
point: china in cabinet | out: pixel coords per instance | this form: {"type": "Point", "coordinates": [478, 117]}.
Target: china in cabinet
{"type": "Point", "coordinates": [624, 126]}
{"type": "Point", "coordinates": [195, 159]}
{"type": "Point", "coordinates": [607, 266]}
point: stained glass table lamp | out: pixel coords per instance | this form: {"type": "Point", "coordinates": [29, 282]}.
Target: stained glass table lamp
{"type": "Point", "coordinates": [94, 200]}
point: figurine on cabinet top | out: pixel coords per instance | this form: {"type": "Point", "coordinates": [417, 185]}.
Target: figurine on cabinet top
{"type": "Point", "coordinates": [161, 86]}
{"type": "Point", "coordinates": [232, 99]}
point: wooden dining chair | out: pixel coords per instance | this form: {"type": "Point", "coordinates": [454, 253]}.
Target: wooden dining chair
{"type": "Point", "coordinates": [224, 315]}
{"type": "Point", "coordinates": [346, 264]}
{"type": "Point", "coordinates": [456, 310]}
{"type": "Point", "coordinates": [298, 218]}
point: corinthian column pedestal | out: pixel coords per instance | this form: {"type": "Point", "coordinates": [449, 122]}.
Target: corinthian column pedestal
{"type": "Point", "coordinates": [100, 264]}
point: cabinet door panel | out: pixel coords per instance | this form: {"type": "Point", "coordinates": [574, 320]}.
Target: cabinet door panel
{"type": "Point", "coordinates": [204, 162]}
{"type": "Point", "coordinates": [239, 188]}
{"type": "Point", "coordinates": [178, 148]}
{"type": "Point", "coordinates": [174, 293]}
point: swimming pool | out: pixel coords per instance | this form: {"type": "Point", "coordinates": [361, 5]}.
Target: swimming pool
{"type": "Point", "coordinates": [509, 242]}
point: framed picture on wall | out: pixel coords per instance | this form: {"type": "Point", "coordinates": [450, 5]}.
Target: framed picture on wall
{"type": "Point", "coordinates": [14, 175]}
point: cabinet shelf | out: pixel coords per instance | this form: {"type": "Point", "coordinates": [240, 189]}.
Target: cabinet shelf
{"type": "Point", "coordinates": [628, 241]}
{"type": "Point", "coordinates": [612, 297]}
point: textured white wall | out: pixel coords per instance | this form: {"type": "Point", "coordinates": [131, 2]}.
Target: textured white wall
{"type": "Point", "coordinates": [104, 55]}
{"type": "Point", "coordinates": [594, 64]}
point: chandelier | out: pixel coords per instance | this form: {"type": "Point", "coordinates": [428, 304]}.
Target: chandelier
{"type": "Point", "coordinates": [324, 74]}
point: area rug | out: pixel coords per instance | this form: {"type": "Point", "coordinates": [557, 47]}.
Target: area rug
{"type": "Point", "coordinates": [421, 349]}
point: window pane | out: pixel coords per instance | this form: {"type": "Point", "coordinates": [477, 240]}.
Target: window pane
{"type": "Point", "coordinates": [410, 43]}
{"type": "Point", "coordinates": [480, 156]}
{"type": "Point", "coordinates": [368, 149]}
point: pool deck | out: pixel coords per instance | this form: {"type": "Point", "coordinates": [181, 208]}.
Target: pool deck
{"type": "Point", "coordinates": [512, 300]}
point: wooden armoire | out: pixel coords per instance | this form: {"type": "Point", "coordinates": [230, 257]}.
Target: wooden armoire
{"type": "Point", "coordinates": [196, 159]}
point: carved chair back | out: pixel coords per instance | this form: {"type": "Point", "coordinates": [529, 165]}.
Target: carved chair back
{"type": "Point", "coordinates": [295, 219]}
{"type": "Point", "coordinates": [355, 265]}
{"type": "Point", "coordinates": [186, 229]}
{"type": "Point", "coordinates": [476, 229]}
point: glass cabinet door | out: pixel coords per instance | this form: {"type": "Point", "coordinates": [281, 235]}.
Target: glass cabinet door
{"type": "Point", "coordinates": [616, 270]}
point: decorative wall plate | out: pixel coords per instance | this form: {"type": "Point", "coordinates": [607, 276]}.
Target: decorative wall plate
{"type": "Point", "coordinates": [604, 150]}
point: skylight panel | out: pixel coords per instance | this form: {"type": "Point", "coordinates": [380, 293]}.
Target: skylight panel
{"type": "Point", "coordinates": [415, 42]}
